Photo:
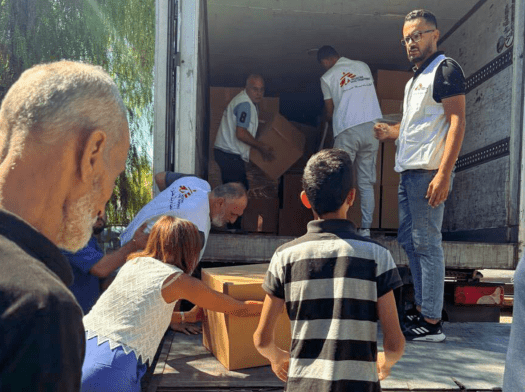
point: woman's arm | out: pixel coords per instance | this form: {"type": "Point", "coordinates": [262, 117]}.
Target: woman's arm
{"type": "Point", "coordinates": [201, 295]}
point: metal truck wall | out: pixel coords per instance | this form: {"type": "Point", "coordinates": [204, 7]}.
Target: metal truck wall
{"type": "Point", "coordinates": [482, 201]}
{"type": "Point", "coordinates": [202, 121]}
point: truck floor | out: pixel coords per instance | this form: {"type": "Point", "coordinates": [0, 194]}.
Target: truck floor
{"type": "Point", "coordinates": [471, 359]}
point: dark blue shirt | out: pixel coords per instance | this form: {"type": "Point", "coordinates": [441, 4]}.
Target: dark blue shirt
{"type": "Point", "coordinates": [86, 286]}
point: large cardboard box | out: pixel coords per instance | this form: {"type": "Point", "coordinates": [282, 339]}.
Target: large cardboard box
{"type": "Point", "coordinates": [261, 215]}
{"type": "Point", "coordinates": [391, 84]}
{"type": "Point", "coordinates": [292, 188]}
{"type": "Point", "coordinates": [389, 176]}
{"type": "Point", "coordinates": [389, 207]}
{"type": "Point", "coordinates": [294, 220]}
{"type": "Point", "coordinates": [287, 143]}
{"type": "Point", "coordinates": [294, 216]}
{"type": "Point", "coordinates": [230, 338]}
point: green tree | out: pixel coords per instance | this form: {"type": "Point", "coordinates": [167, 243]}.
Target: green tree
{"type": "Point", "coordinates": [118, 35]}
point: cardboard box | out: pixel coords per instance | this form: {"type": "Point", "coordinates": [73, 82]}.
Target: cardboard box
{"type": "Point", "coordinates": [292, 188]}
{"type": "Point", "coordinates": [287, 143]}
{"type": "Point", "coordinates": [230, 338]}
{"type": "Point", "coordinates": [388, 175]}
{"type": "Point", "coordinates": [391, 106]}
{"type": "Point", "coordinates": [261, 215]}
{"type": "Point", "coordinates": [391, 84]}
{"type": "Point", "coordinates": [389, 207]}
{"type": "Point", "coordinates": [293, 220]}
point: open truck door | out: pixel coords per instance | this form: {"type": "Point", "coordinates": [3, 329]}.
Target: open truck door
{"type": "Point", "coordinates": [180, 83]}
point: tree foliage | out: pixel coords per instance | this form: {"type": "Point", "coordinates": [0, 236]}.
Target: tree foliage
{"type": "Point", "coordinates": [118, 35]}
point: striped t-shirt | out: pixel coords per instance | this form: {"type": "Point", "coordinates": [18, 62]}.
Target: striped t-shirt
{"type": "Point", "coordinates": [331, 279]}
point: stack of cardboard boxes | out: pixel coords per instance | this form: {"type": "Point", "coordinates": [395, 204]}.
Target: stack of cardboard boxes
{"type": "Point", "coordinates": [281, 212]}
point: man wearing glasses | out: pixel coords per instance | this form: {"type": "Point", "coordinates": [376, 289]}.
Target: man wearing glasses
{"type": "Point", "coordinates": [429, 139]}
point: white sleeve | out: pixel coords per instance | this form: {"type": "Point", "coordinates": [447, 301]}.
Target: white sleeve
{"type": "Point", "coordinates": [326, 90]}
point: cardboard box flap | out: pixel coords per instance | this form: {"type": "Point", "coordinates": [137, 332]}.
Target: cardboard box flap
{"type": "Point", "coordinates": [287, 143]}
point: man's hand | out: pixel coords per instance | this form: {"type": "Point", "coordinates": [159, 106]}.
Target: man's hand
{"type": "Point", "coordinates": [281, 364]}
{"type": "Point", "coordinates": [140, 239]}
{"type": "Point", "coordinates": [438, 190]}
{"type": "Point", "coordinates": [382, 370]}
{"type": "Point", "coordinates": [382, 131]}
{"type": "Point", "coordinates": [266, 152]}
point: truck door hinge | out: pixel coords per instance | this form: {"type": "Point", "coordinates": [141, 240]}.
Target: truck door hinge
{"type": "Point", "coordinates": [176, 60]}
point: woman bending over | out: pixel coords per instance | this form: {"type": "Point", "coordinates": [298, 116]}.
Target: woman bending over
{"type": "Point", "coordinates": [125, 327]}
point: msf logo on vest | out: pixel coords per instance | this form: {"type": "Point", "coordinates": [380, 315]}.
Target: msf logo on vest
{"type": "Point", "coordinates": [186, 192]}
{"type": "Point", "coordinates": [346, 78]}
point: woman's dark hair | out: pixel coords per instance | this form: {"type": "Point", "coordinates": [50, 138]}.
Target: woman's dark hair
{"type": "Point", "coordinates": [328, 179]}
{"type": "Point", "coordinates": [174, 241]}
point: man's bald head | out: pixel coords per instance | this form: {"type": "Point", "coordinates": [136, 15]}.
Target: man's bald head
{"type": "Point", "coordinates": [51, 103]}
{"type": "Point", "coordinates": [255, 87]}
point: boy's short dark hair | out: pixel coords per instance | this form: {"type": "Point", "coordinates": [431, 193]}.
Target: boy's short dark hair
{"type": "Point", "coordinates": [327, 179]}
{"type": "Point", "coordinates": [429, 17]}
{"type": "Point", "coordinates": [326, 52]}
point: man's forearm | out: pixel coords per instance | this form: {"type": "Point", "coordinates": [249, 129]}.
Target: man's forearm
{"type": "Point", "coordinates": [244, 136]}
{"type": "Point", "coordinates": [453, 144]}
{"type": "Point", "coordinates": [112, 261]}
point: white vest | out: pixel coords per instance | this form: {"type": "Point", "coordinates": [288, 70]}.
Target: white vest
{"type": "Point", "coordinates": [132, 312]}
{"type": "Point", "coordinates": [423, 130]}
{"type": "Point", "coordinates": [352, 90]}
{"type": "Point", "coordinates": [186, 198]}
{"type": "Point", "coordinates": [226, 139]}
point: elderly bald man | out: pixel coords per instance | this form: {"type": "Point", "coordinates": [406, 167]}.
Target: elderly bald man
{"type": "Point", "coordinates": [64, 139]}
{"type": "Point", "coordinates": [236, 135]}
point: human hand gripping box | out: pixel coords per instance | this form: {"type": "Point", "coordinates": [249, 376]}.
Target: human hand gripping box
{"type": "Point", "coordinates": [230, 338]}
{"type": "Point", "coordinates": [286, 141]}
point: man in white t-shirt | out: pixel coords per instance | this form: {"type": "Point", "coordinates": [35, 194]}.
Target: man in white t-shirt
{"type": "Point", "coordinates": [351, 104]}
{"type": "Point", "coordinates": [189, 197]}
{"type": "Point", "coordinates": [237, 133]}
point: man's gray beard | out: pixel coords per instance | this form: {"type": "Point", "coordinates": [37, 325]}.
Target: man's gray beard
{"type": "Point", "coordinates": [218, 220]}
{"type": "Point", "coordinates": [78, 223]}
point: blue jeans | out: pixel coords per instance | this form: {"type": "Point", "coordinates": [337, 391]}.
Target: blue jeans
{"type": "Point", "coordinates": [420, 236]}
{"type": "Point", "coordinates": [107, 370]}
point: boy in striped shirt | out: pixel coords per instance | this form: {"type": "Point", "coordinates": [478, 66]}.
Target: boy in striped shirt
{"type": "Point", "coordinates": [335, 285]}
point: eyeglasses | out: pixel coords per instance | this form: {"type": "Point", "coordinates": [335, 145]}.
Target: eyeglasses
{"type": "Point", "coordinates": [415, 37]}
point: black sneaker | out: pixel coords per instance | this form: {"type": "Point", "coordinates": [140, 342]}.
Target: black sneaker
{"type": "Point", "coordinates": [411, 316]}
{"type": "Point", "coordinates": [423, 331]}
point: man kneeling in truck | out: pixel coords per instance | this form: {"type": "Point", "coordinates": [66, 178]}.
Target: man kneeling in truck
{"type": "Point", "coordinates": [335, 284]}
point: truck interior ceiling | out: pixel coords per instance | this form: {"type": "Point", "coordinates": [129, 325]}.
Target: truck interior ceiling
{"type": "Point", "coordinates": [279, 39]}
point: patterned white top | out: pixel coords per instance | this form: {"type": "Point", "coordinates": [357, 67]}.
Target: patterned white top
{"type": "Point", "coordinates": [132, 312]}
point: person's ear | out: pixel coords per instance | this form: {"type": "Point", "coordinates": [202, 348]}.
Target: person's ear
{"type": "Point", "coordinates": [305, 201]}
{"type": "Point", "coordinates": [92, 156]}
{"type": "Point", "coordinates": [350, 198]}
